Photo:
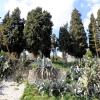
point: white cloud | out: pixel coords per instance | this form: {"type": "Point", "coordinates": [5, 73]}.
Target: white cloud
{"type": "Point", "coordinates": [94, 6]}
{"type": "Point", "coordinates": [94, 9]}
{"type": "Point", "coordinates": [86, 22]}
{"type": "Point", "coordinates": [59, 9]}
{"type": "Point", "coordinates": [92, 1]}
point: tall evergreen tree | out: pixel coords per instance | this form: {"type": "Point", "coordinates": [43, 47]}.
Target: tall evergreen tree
{"type": "Point", "coordinates": [64, 41]}
{"type": "Point", "coordinates": [13, 37]}
{"type": "Point", "coordinates": [38, 29]}
{"type": "Point", "coordinates": [78, 35]}
{"type": "Point", "coordinates": [1, 36]}
{"type": "Point", "coordinates": [92, 33]}
{"type": "Point", "coordinates": [17, 36]}
{"type": "Point", "coordinates": [98, 32]}
{"type": "Point", "coordinates": [6, 17]}
{"type": "Point", "coordinates": [6, 24]}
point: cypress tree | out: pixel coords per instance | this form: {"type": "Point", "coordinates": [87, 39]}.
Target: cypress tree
{"type": "Point", "coordinates": [92, 33]}
{"type": "Point", "coordinates": [64, 41]}
{"type": "Point", "coordinates": [13, 37]}
{"type": "Point", "coordinates": [37, 31]}
{"type": "Point", "coordinates": [78, 35]}
{"type": "Point", "coordinates": [98, 33]}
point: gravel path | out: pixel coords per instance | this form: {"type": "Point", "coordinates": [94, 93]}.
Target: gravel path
{"type": "Point", "coordinates": [10, 90]}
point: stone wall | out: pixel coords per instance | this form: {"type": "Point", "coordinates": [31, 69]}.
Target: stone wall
{"type": "Point", "coordinates": [46, 74]}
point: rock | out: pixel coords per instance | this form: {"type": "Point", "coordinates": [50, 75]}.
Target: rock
{"type": "Point", "coordinates": [46, 74]}
{"type": "Point", "coordinates": [31, 78]}
{"type": "Point", "coordinates": [45, 71]}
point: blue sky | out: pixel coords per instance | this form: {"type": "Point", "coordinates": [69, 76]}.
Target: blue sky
{"type": "Point", "coordinates": [2, 2]}
{"type": "Point", "coordinates": [82, 6]}
{"type": "Point", "coordinates": [59, 9]}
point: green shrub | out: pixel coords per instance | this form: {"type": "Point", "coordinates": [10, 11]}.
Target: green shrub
{"type": "Point", "coordinates": [2, 53]}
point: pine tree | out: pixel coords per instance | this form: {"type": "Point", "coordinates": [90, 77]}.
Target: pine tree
{"type": "Point", "coordinates": [92, 33]}
{"type": "Point", "coordinates": [78, 35]}
{"type": "Point", "coordinates": [38, 29]}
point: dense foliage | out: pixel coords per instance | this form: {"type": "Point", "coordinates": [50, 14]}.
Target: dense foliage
{"type": "Point", "coordinates": [92, 32]}
{"type": "Point", "coordinates": [37, 31]}
{"type": "Point", "coordinates": [82, 82]}
{"type": "Point", "coordinates": [64, 41]}
{"type": "Point", "coordinates": [98, 33]}
{"type": "Point", "coordinates": [85, 77]}
{"type": "Point", "coordinates": [12, 33]}
{"type": "Point", "coordinates": [78, 35]}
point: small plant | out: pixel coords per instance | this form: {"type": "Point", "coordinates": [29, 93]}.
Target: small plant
{"type": "Point", "coordinates": [2, 53]}
{"type": "Point", "coordinates": [34, 65]}
{"type": "Point", "coordinates": [19, 78]}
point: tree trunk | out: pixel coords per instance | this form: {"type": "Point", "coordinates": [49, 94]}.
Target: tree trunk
{"type": "Point", "coordinates": [64, 57]}
{"type": "Point", "coordinates": [53, 57]}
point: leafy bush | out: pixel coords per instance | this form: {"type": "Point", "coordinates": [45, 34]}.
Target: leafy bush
{"type": "Point", "coordinates": [8, 67]}
{"type": "Point", "coordinates": [84, 77]}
